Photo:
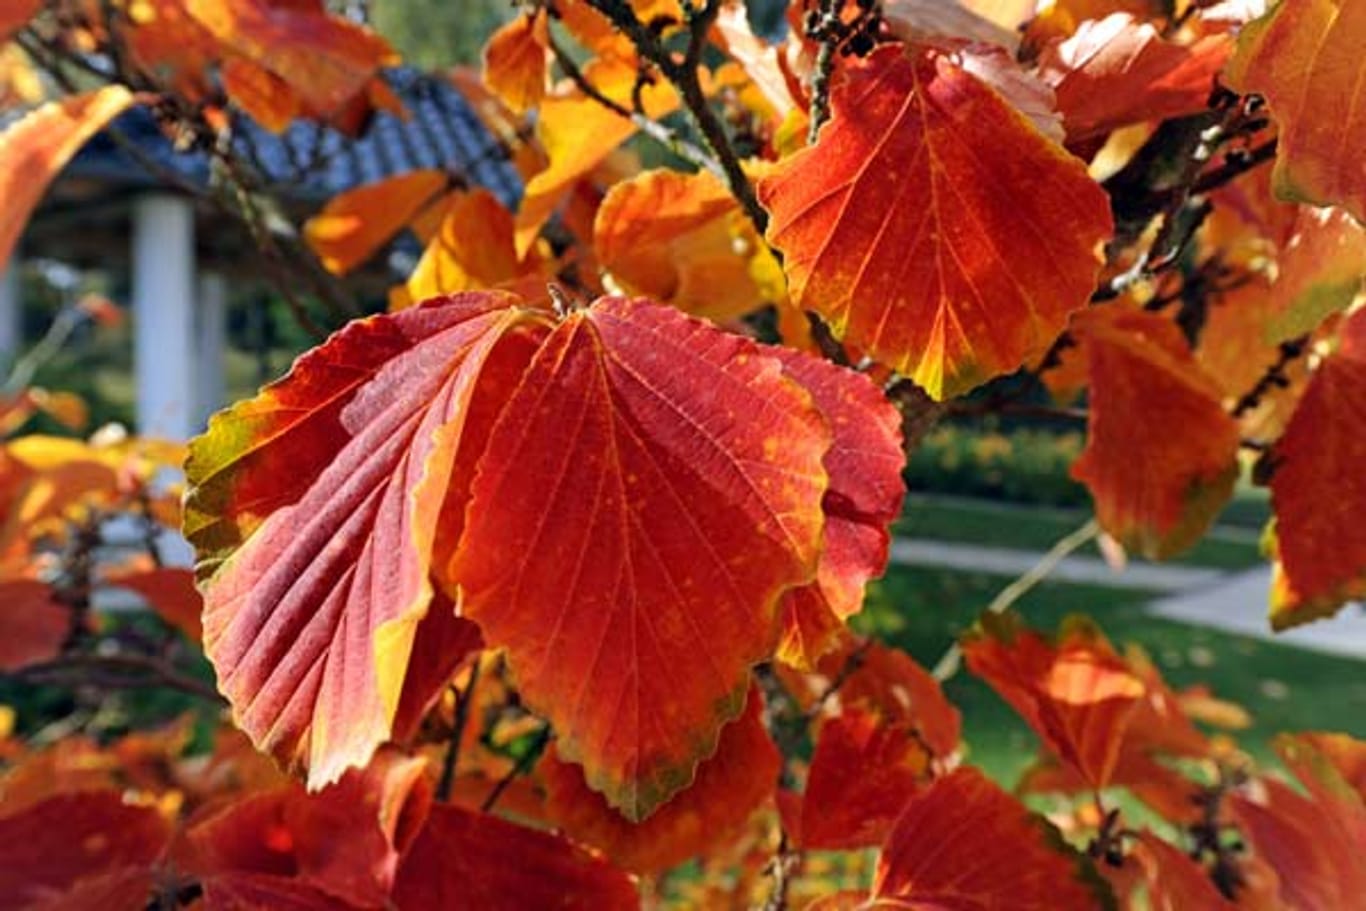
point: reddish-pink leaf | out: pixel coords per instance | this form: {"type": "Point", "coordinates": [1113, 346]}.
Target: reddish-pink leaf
{"type": "Point", "coordinates": [932, 226]}
{"type": "Point", "coordinates": [1318, 491]}
{"type": "Point", "coordinates": [965, 845]}
{"type": "Point", "coordinates": [701, 820]}
{"type": "Point", "coordinates": [34, 149]}
{"type": "Point", "coordinates": [1154, 492]}
{"type": "Point", "coordinates": [464, 861]}
{"type": "Point", "coordinates": [652, 487]}
{"type": "Point", "coordinates": [316, 508]}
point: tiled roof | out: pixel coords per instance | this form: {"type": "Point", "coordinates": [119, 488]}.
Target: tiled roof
{"type": "Point", "coordinates": [312, 163]}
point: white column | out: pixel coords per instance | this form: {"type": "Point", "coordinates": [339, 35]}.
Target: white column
{"type": "Point", "coordinates": [163, 316]}
{"type": "Point", "coordinates": [11, 313]}
{"type": "Point", "coordinates": [210, 338]}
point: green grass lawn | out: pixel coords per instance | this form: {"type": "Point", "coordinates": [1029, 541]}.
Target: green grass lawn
{"type": "Point", "coordinates": [1037, 528]}
{"type": "Point", "coordinates": [922, 610]}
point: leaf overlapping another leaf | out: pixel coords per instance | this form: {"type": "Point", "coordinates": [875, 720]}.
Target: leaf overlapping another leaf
{"type": "Point", "coordinates": [647, 487]}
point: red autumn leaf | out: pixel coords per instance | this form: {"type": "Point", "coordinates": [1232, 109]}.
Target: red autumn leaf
{"type": "Point", "coordinates": [53, 846]}
{"type": "Point", "coordinates": [886, 682]}
{"type": "Point", "coordinates": [1154, 492]}
{"type": "Point", "coordinates": [863, 771]}
{"type": "Point", "coordinates": [466, 861]}
{"type": "Point", "coordinates": [683, 471]}
{"type": "Point", "coordinates": [516, 61]}
{"type": "Point", "coordinates": [326, 60]}
{"type": "Point", "coordinates": [864, 496]}
{"type": "Point", "coordinates": [441, 645]}
{"type": "Point", "coordinates": [35, 148]}
{"type": "Point", "coordinates": [15, 14]}
{"type": "Point", "coordinates": [1116, 71]}
{"type": "Point", "coordinates": [170, 592]}
{"type": "Point", "coordinates": [932, 226]}
{"type": "Point", "coordinates": [261, 892]}
{"type": "Point", "coordinates": [315, 509]}
{"type": "Point", "coordinates": [1305, 57]}
{"type": "Point", "coordinates": [1318, 492]}
{"type": "Point", "coordinates": [345, 840]}
{"type": "Point", "coordinates": [33, 624]}
{"type": "Point", "coordinates": [1077, 695]}
{"type": "Point", "coordinates": [355, 224]}
{"type": "Point", "coordinates": [703, 819]}
{"type": "Point", "coordinates": [1313, 841]}
{"type": "Point", "coordinates": [1174, 882]}
{"type": "Point", "coordinates": [963, 844]}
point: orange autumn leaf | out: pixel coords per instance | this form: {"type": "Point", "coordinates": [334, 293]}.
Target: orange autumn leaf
{"type": "Point", "coordinates": [315, 548]}
{"type": "Point", "coordinates": [1318, 490]}
{"type": "Point", "coordinates": [687, 516]}
{"type": "Point", "coordinates": [472, 248]}
{"type": "Point", "coordinates": [516, 60]}
{"type": "Point", "coordinates": [682, 239]}
{"type": "Point", "coordinates": [730, 786]}
{"type": "Point", "coordinates": [864, 496]}
{"type": "Point", "coordinates": [33, 623]}
{"type": "Point", "coordinates": [66, 846]}
{"type": "Point", "coordinates": [467, 860]}
{"type": "Point", "coordinates": [1116, 71]}
{"type": "Point", "coordinates": [1174, 882]}
{"type": "Point", "coordinates": [260, 94]}
{"type": "Point", "coordinates": [863, 771]}
{"type": "Point", "coordinates": [355, 224]}
{"type": "Point", "coordinates": [1077, 694]}
{"type": "Point", "coordinates": [1320, 271]}
{"type": "Point", "coordinates": [35, 148]}
{"type": "Point", "coordinates": [326, 60]}
{"type": "Point", "coordinates": [169, 590]}
{"type": "Point", "coordinates": [1155, 492]}
{"type": "Point", "coordinates": [577, 134]}
{"type": "Point", "coordinates": [1305, 57]}
{"type": "Point", "coordinates": [1346, 754]}
{"type": "Point", "coordinates": [963, 844]}
{"type": "Point", "coordinates": [932, 226]}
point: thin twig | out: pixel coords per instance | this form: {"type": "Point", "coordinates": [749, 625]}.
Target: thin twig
{"type": "Point", "coordinates": [463, 700]}
{"type": "Point", "coordinates": [951, 660]}
{"type": "Point", "coordinates": [670, 139]}
{"type": "Point", "coordinates": [523, 766]}
{"type": "Point", "coordinates": [683, 75]}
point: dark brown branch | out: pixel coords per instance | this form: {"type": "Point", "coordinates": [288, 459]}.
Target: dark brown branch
{"type": "Point", "coordinates": [1274, 377]}
{"type": "Point", "coordinates": [118, 671]}
{"type": "Point", "coordinates": [683, 75]}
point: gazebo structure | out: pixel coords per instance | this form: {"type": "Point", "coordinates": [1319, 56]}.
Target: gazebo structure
{"type": "Point", "coordinates": [115, 210]}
